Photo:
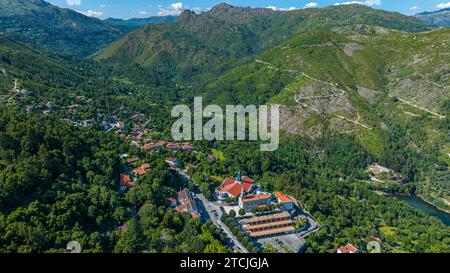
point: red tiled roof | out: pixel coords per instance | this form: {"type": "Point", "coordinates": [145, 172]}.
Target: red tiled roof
{"type": "Point", "coordinates": [132, 159]}
{"type": "Point", "coordinates": [247, 179]}
{"type": "Point", "coordinates": [188, 203]}
{"type": "Point", "coordinates": [232, 187]}
{"type": "Point", "coordinates": [195, 215]}
{"type": "Point", "coordinates": [250, 198]}
{"type": "Point", "coordinates": [283, 198]}
{"type": "Point", "coordinates": [348, 249]}
{"type": "Point", "coordinates": [125, 180]}
{"type": "Point", "coordinates": [171, 200]}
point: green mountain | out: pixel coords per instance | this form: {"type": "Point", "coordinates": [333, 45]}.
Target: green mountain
{"type": "Point", "coordinates": [438, 18]}
{"type": "Point", "coordinates": [342, 70]}
{"type": "Point", "coordinates": [198, 47]}
{"type": "Point", "coordinates": [41, 24]}
{"type": "Point", "coordinates": [364, 83]}
{"type": "Point", "coordinates": [139, 22]}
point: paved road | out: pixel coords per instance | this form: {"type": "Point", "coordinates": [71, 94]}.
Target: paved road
{"type": "Point", "coordinates": [237, 246]}
{"type": "Point", "coordinates": [313, 226]}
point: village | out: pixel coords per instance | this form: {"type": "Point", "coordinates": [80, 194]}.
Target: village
{"type": "Point", "coordinates": [238, 206]}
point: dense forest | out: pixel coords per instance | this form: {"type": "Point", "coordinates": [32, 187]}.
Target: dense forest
{"type": "Point", "coordinates": [59, 184]}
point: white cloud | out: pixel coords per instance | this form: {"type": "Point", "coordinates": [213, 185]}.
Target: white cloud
{"type": "Point", "coordinates": [73, 2]}
{"type": "Point", "coordinates": [92, 13]}
{"type": "Point", "coordinates": [281, 9]}
{"type": "Point", "coordinates": [143, 12]}
{"type": "Point", "coordinates": [311, 5]}
{"type": "Point", "coordinates": [173, 9]}
{"type": "Point", "coordinates": [415, 8]}
{"type": "Point", "coordinates": [103, 6]}
{"type": "Point", "coordinates": [365, 3]}
{"type": "Point", "coordinates": [177, 6]}
{"type": "Point", "coordinates": [443, 5]}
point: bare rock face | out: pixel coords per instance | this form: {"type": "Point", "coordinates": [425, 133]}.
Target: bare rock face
{"type": "Point", "coordinates": [371, 96]}
{"type": "Point", "coordinates": [352, 47]}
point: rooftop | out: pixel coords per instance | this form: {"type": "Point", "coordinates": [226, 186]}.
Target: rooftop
{"type": "Point", "coordinates": [253, 197]}
{"type": "Point", "coordinates": [283, 198]}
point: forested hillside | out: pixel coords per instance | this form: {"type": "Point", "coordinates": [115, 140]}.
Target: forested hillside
{"type": "Point", "coordinates": [38, 23]}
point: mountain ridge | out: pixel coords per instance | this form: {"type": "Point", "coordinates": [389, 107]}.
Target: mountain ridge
{"type": "Point", "coordinates": [439, 17]}
{"type": "Point", "coordinates": [39, 23]}
{"type": "Point", "coordinates": [226, 34]}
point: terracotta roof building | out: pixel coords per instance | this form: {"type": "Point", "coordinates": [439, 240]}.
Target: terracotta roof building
{"type": "Point", "coordinates": [233, 187]}
{"type": "Point", "coordinates": [187, 203]}
{"type": "Point", "coordinates": [142, 169]}
{"type": "Point", "coordinates": [267, 225]}
{"type": "Point", "coordinates": [287, 201]}
{"type": "Point", "coordinates": [349, 248]}
{"type": "Point", "coordinates": [125, 181]}
{"type": "Point", "coordinates": [173, 162]}
{"type": "Point", "coordinates": [251, 201]}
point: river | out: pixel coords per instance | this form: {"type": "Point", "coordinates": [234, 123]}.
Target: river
{"type": "Point", "coordinates": [418, 203]}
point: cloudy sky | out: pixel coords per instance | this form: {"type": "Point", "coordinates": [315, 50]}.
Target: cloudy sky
{"type": "Point", "coordinates": [145, 8]}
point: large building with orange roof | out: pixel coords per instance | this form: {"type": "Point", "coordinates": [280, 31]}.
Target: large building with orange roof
{"type": "Point", "coordinates": [234, 187]}
{"type": "Point", "coordinates": [251, 201]}
{"type": "Point", "coordinates": [269, 225]}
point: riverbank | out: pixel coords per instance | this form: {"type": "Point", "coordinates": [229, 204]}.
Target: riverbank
{"type": "Point", "coordinates": [431, 204]}
{"type": "Point", "coordinates": [431, 210]}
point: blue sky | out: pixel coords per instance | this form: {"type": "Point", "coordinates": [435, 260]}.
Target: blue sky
{"type": "Point", "coordinates": [145, 8]}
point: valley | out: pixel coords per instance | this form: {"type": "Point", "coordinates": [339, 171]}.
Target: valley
{"type": "Point", "coordinates": [87, 153]}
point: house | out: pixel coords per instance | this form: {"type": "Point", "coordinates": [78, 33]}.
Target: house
{"type": "Point", "coordinates": [187, 146]}
{"type": "Point", "coordinates": [153, 146]}
{"type": "Point", "coordinates": [120, 125]}
{"type": "Point", "coordinates": [173, 146]}
{"type": "Point", "coordinates": [349, 248]}
{"type": "Point", "coordinates": [287, 202]}
{"type": "Point", "coordinates": [173, 162]}
{"type": "Point", "coordinates": [187, 203]}
{"type": "Point", "coordinates": [132, 159]}
{"type": "Point", "coordinates": [50, 104]}
{"type": "Point", "coordinates": [125, 181]}
{"type": "Point", "coordinates": [123, 228]}
{"type": "Point", "coordinates": [233, 187]}
{"type": "Point", "coordinates": [171, 202]}
{"type": "Point", "coordinates": [142, 169]}
{"type": "Point", "coordinates": [251, 201]}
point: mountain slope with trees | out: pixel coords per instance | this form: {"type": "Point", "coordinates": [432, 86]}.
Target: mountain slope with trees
{"type": "Point", "coordinates": [38, 23]}
{"type": "Point", "coordinates": [198, 47]}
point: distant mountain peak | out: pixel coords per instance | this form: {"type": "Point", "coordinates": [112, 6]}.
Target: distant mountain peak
{"type": "Point", "coordinates": [432, 12]}
{"type": "Point", "coordinates": [222, 7]}
{"type": "Point", "coordinates": [439, 17]}
{"type": "Point", "coordinates": [186, 16]}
